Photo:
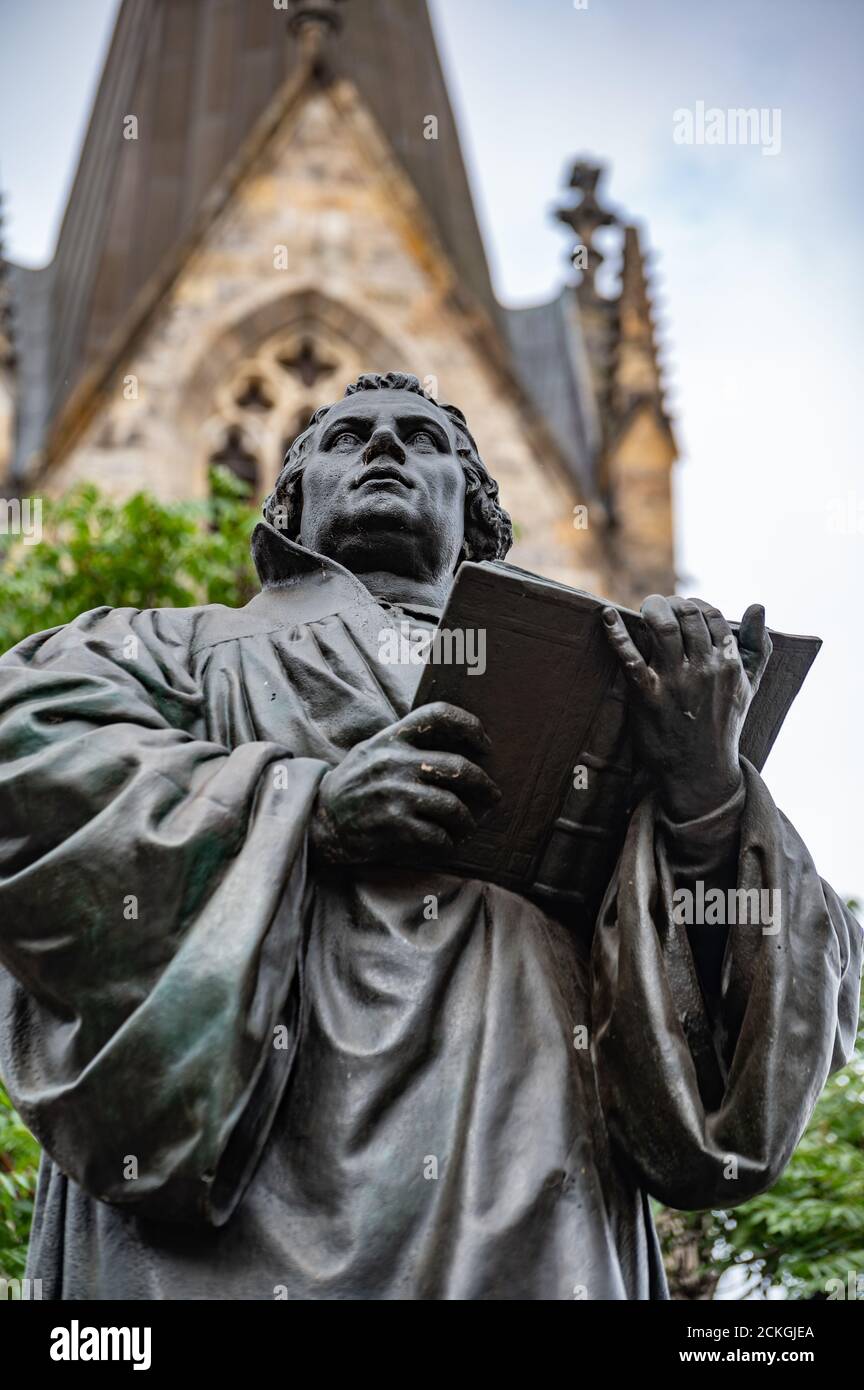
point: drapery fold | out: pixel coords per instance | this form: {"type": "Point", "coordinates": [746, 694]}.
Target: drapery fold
{"type": "Point", "coordinates": [786, 1015]}
{"type": "Point", "coordinates": [152, 892]}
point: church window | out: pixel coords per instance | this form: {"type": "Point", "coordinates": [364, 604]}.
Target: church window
{"type": "Point", "coordinates": [234, 454]}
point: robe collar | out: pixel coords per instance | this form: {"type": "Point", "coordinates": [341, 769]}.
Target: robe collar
{"type": "Point", "coordinates": [282, 564]}
{"type": "Point", "coordinates": [280, 561]}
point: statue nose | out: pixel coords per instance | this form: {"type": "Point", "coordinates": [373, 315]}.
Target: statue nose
{"type": "Point", "coordinates": [384, 441]}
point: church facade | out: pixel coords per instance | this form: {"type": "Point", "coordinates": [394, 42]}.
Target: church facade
{"type": "Point", "coordinates": [270, 200]}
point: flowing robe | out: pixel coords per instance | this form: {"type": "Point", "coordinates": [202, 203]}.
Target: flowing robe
{"type": "Point", "coordinates": [254, 1079]}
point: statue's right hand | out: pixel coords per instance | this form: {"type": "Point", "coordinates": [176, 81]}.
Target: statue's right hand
{"type": "Point", "coordinates": [410, 790]}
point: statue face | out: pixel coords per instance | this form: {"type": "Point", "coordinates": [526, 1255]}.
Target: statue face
{"type": "Point", "coordinates": [384, 488]}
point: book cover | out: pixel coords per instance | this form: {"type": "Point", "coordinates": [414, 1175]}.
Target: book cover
{"type": "Point", "coordinates": [554, 702]}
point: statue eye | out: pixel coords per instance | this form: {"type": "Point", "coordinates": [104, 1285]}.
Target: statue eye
{"type": "Point", "coordinates": [346, 439]}
{"type": "Point", "coordinates": [423, 439]}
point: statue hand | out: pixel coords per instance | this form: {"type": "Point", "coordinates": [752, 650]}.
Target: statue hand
{"type": "Point", "coordinates": [690, 698]}
{"type": "Point", "coordinates": [408, 790]}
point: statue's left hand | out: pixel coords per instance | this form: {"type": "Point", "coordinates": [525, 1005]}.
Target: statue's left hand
{"type": "Point", "coordinates": [690, 698]}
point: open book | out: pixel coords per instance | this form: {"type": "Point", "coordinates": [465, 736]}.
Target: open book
{"type": "Point", "coordinates": [534, 664]}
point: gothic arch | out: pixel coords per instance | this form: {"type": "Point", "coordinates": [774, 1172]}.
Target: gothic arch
{"type": "Point", "coordinates": [267, 373]}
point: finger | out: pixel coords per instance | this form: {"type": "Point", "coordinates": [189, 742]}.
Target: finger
{"type": "Point", "coordinates": [459, 775]}
{"type": "Point", "coordinates": [694, 629]}
{"type": "Point", "coordinates": [423, 834]}
{"type": "Point", "coordinates": [666, 638]}
{"type": "Point", "coordinates": [443, 727]}
{"type": "Point", "coordinates": [721, 633]}
{"type": "Point", "coordinates": [754, 643]}
{"type": "Point", "coordinates": [444, 809]}
{"type": "Point", "coordinates": [632, 661]}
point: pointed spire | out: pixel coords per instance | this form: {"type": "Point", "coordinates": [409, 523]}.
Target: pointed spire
{"type": "Point", "coordinates": [596, 314]}
{"type": "Point", "coordinates": [617, 330]}
{"type": "Point", "coordinates": [637, 370]}
{"type": "Point", "coordinates": [640, 446]}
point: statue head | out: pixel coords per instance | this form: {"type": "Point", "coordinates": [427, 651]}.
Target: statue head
{"type": "Point", "coordinates": [389, 481]}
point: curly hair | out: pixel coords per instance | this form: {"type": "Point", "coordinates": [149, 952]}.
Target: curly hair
{"type": "Point", "coordinates": [488, 532]}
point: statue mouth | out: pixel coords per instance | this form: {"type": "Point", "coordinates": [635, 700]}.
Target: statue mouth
{"type": "Point", "coordinates": [382, 473]}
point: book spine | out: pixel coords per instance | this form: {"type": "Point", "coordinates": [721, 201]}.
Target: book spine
{"type": "Point", "coordinates": [586, 837]}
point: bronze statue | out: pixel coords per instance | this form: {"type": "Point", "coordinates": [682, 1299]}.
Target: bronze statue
{"type": "Point", "coordinates": [268, 1060]}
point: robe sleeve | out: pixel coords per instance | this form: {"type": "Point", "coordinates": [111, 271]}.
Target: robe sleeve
{"type": "Point", "coordinates": [152, 899]}
{"type": "Point", "coordinates": [706, 1097]}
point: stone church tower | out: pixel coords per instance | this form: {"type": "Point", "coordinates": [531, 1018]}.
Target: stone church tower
{"type": "Point", "coordinates": [270, 200]}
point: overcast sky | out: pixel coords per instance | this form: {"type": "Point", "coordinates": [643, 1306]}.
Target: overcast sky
{"type": "Point", "coordinates": [758, 276]}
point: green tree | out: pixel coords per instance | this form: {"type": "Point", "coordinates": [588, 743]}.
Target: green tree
{"type": "Point", "coordinates": [140, 554]}
{"type": "Point", "coordinates": [19, 1159]}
